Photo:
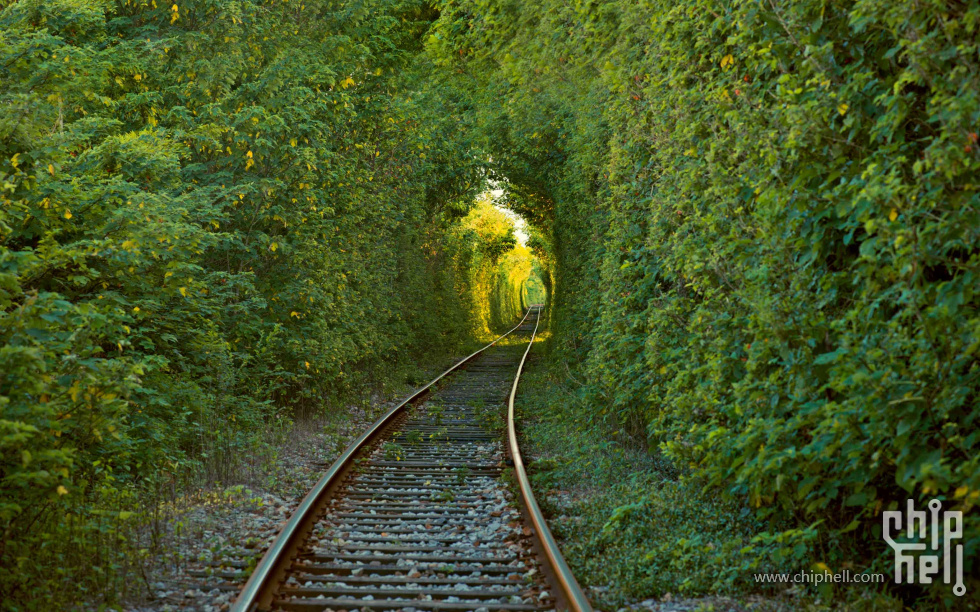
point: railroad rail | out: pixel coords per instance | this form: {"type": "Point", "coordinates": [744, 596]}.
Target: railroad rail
{"type": "Point", "coordinates": [415, 514]}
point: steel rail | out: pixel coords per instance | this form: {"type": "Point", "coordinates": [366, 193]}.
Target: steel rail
{"type": "Point", "coordinates": [572, 594]}
{"type": "Point", "coordinates": [258, 591]}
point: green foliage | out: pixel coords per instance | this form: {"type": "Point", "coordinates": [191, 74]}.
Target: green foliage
{"type": "Point", "coordinates": [759, 223]}
{"type": "Point", "coordinates": [392, 451]}
{"type": "Point", "coordinates": [628, 523]}
{"type": "Point", "coordinates": [534, 291]}
{"type": "Point", "coordinates": [764, 225]}
{"type": "Point", "coordinates": [214, 215]}
{"type": "Point", "coordinates": [498, 269]}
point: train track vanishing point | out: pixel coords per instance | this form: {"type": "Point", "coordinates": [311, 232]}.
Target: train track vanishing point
{"type": "Point", "coordinates": [416, 515]}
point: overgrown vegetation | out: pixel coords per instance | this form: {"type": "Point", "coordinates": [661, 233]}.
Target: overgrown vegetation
{"type": "Point", "coordinates": [215, 215]}
{"type": "Point", "coordinates": [764, 219]}
{"type": "Point", "coordinates": [756, 224]}
{"type": "Point", "coordinates": [498, 266]}
{"type": "Point", "coordinates": [634, 530]}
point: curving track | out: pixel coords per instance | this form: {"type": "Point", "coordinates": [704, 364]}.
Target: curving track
{"type": "Point", "coordinates": [418, 514]}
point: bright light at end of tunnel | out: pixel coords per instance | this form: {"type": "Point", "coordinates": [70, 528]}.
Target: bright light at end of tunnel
{"type": "Point", "coordinates": [519, 225]}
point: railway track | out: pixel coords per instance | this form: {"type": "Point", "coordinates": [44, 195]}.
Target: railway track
{"type": "Point", "coordinates": [430, 509]}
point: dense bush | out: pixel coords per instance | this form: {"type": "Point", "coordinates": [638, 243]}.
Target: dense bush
{"type": "Point", "coordinates": [215, 215]}
{"type": "Point", "coordinates": [765, 224]}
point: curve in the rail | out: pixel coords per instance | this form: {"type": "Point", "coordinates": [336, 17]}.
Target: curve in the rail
{"type": "Point", "coordinates": [571, 592]}
{"type": "Point", "coordinates": [271, 569]}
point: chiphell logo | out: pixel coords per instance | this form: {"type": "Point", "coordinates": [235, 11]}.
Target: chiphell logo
{"type": "Point", "coordinates": [928, 539]}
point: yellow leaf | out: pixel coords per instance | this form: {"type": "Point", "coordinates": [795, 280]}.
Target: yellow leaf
{"type": "Point", "coordinates": [249, 154]}
{"type": "Point", "coordinates": [294, 314]}
{"type": "Point", "coordinates": [307, 364]}
{"type": "Point", "coordinates": [168, 275]}
{"type": "Point", "coordinates": [893, 215]}
{"type": "Point", "coordinates": [67, 214]}
{"type": "Point", "coordinates": [663, 369]}
{"type": "Point", "coordinates": [183, 291]}
{"type": "Point", "coordinates": [136, 308]}
{"type": "Point", "coordinates": [727, 61]}
{"type": "Point", "coordinates": [273, 247]}
{"type": "Point", "coordinates": [842, 108]}
{"type": "Point", "coordinates": [51, 169]}
{"type": "Point", "coordinates": [961, 492]}
{"type": "Point", "coordinates": [128, 244]}
{"type": "Point", "coordinates": [62, 490]}
{"type": "Point", "coordinates": [292, 142]}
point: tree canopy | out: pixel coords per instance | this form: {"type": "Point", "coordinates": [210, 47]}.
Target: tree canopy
{"type": "Point", "coordinates": [756, 225]}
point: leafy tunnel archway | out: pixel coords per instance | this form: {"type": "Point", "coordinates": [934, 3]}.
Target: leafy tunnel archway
{"type": "Point", "coordinates": [754, 226]}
